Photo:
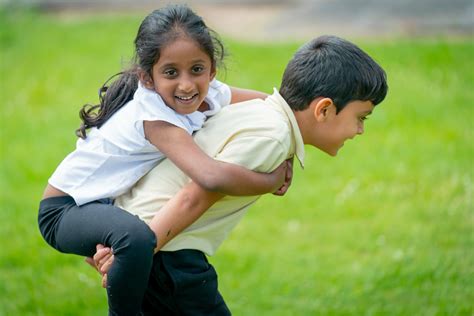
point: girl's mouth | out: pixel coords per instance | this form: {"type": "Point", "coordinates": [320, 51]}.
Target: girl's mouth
{"type": "Point", "coordinates": [186, 98]}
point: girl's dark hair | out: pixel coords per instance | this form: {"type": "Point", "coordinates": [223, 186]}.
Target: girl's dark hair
{"type": "Point", "coordinates": [332, 67]}
{"type": "Point", "coordinates": [158, 29]}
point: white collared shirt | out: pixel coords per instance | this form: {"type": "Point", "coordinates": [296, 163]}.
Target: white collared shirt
{"type": "Point", "coordinates": [115, 156]}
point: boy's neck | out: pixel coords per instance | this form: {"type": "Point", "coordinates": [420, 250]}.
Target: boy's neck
{"type": "Point", "coordinates": [305, 121]}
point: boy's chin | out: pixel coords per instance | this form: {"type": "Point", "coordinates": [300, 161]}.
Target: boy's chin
{"type": "Point", "coordinates": [332, 152]}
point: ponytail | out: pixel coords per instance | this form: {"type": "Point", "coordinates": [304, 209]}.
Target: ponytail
{"type": "Point", "coordinates": [111, 98]}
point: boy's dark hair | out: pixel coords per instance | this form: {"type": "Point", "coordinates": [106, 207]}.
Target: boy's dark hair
{"type": "Point", "coordinates": [332, 67]}
{"type": "Point", "coordinates": [158, 29]}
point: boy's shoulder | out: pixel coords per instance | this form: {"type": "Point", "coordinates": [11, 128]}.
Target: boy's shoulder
{"type": "Point", "coordinates": [257, 113]}
{"type": "Point", "coordinates": [251, 119]}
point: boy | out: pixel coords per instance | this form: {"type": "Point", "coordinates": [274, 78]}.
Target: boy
{"type": "Point", "coordinates": [328, 89]}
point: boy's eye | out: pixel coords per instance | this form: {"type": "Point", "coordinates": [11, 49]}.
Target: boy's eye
{"type": "Point", "coordinates": [363, 118]}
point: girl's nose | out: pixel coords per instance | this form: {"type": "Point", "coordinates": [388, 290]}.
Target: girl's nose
{"type": "Point", "coordinates": [186, 85]}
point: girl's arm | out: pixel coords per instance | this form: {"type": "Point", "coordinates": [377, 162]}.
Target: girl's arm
{"type": "Point", "coordinates": [212, 175]}
{"type": "Point", "coordinates": [240, 95]}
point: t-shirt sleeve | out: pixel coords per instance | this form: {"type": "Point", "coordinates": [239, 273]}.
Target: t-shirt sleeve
{"type": "Point", "coordinates": [152, 108]}
{"type": "Point", "coordinates": [219, 92]}
{"type": "Point", "coordinates": [261, 154]}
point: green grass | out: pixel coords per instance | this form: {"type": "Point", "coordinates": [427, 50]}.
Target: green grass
{"type": "Point", "coordinates": [386, 228]}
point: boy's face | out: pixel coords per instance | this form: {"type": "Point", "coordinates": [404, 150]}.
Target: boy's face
{"type": "Point", "coordinates": [334, 129]}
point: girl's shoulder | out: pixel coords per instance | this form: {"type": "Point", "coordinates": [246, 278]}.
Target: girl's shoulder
{"type": "Point", "coordinates": [219, 93]}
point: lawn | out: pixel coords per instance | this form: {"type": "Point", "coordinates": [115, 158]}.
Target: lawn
{"type": "Point", "coordinates": [386, 228]}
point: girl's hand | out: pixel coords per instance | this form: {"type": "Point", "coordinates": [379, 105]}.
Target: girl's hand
{"type": "Point", "coordinates": [288, 177]}
{"type": "Point", "coordinates": [278, 176]}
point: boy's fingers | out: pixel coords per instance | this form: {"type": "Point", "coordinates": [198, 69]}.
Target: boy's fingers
{"type": "Point", "coordinates": [103, 260]}
{"type": "Point", "coordinates": [90, 262]}
{"type": "Point", "coordinates": [102, 252]}
{"type": "Point", "coordinates": [104, 268]}
{"type": "Point", "coordinates": [104, 281]}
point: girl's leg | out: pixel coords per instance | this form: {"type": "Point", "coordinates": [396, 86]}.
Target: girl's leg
{"type": "Point", "coordinates": [79, 229]}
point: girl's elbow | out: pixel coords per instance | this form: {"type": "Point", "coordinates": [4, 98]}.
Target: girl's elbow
{"type": "Point", "coordinates": [211, 183]}
{"type": "Point", "coordinates": [211, 186]}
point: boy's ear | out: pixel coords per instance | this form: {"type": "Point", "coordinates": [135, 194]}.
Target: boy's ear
{"type": "Point", "coordinates": [146, 80]}
{"type": "Point", "coordinates": [323, 107]}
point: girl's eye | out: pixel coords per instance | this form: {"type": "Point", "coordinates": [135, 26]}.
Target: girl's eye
{"type": "Point", "coordinates": [170, 72]}
{"type": "Point", "coordinates": [363, 118]}
{"type": "Point", "coordinates": [198, 69]}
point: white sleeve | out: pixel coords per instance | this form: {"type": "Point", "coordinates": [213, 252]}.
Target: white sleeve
{"type": "Point", "coordinates": [219, 93]}
{"type": "Point", "coordinates": [151, 107]}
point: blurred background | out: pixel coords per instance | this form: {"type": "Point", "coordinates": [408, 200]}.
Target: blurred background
{"type": "Point", "coordinates": [269, 20]}
{"type": "Point", "coordinates": [385, 228]}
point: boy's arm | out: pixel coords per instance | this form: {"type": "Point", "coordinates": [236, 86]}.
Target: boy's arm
{"type": "Point", "coordinates": [177, 214]}
{"type": "Point", "coordinates": [212, 175]}
{"type": "Point", "coordinates": [181, 211]}
{"type": "Point", "coordinates": [188, 205]}
{"type": "Point", "coordinates": [240, 95]}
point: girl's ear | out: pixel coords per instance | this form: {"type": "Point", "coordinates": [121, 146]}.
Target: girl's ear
{"type": "Point", "coordinates": [146, 79]}
{"type": "Point", "coordinates": [323, 108]}
{"type": "Point", "coordinates": [213, 72]}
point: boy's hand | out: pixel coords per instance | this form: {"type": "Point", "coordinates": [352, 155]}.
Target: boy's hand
{"type": "Point", "coordinates": [102, 261]}
{"type": "Point", "coordinates": [288, 178]}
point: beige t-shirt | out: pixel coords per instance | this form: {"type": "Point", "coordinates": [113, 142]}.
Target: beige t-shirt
{"type": "Point", "coordinates": [256, 134]}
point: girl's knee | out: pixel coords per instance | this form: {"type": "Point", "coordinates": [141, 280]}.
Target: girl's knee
{"type": "Point", "coordinates": [142, 234]}
{"type": "Point", "coordinates": [136, 237]}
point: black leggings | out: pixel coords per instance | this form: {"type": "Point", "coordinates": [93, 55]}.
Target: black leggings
{"type": "Point", "coordinates": [78, 229]}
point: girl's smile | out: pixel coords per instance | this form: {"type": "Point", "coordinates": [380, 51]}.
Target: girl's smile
{"type": "Point", "coordinates": [185, 99]}
{"type": "Point", "coordinates": [182, 74]}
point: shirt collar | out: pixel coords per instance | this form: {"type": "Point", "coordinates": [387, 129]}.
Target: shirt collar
{"type": "Point", "coordinates": [277, 100]}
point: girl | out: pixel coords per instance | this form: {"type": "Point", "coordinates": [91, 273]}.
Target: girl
{"type": "Point", "coordinates": [148, 113]}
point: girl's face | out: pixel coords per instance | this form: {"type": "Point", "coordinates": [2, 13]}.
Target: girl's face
{"type": "Point", "coordinates": [182, 74]}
